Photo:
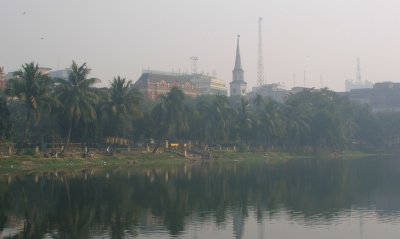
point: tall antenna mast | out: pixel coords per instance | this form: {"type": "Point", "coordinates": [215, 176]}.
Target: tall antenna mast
{"type": "Point", "coordinates": [260, 65]}
{"type": "Point", "coordinates": [358, 74]}
{"type": "Point", "coordinates": [194, 60]}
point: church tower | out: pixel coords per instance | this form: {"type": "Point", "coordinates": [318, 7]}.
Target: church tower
{"type": "Point", "coordinates": [238, 85]}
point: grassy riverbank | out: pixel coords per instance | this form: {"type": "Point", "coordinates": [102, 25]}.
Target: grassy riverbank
{"type": "Point", "coordinates": [27, 163]}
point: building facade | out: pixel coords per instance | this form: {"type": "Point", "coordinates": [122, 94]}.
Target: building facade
{"type": "Point", "coordinates": [238, 87]}
{"type": "Point", "coordinates": [273, 91]}
{"type": "Point", "coordinates": [60, 74]}
{"type": "Point", "coordinates": [209, 85]}
{"type": "Point", "coordinates": [154, 84]}
{"type": "Point", "coordinates": [352, 85]}
{"type": "Point", "coordinates": [358, 83]}
{"type": "Point", "coordinates": [41, 70]}
{"type": "Point", "coordinates": [383, 97]}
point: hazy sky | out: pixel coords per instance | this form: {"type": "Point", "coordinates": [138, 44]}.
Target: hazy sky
{"type": "Point", "coordinates": [121, 37]}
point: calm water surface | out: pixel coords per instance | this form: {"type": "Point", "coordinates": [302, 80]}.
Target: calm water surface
{"type": "Point", "coordinates": [295, 199]}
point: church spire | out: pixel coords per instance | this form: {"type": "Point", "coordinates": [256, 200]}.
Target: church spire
{"type": "Point", "coordinates": [238, 62]}
{"type": "Point", "coordinates": [238, 85]}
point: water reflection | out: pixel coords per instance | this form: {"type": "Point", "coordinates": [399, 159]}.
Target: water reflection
{"type": "Point", "coordinates": [301, 198]}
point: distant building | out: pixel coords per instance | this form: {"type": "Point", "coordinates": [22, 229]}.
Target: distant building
{"type": "Point", "coordinates": [153, 84]}
{"type": "Point", "coordinates": [299, 89]}
{"type": "Point", "coordinates": [383, 97]}
{"type": "Point", "coordinates": [60, 74]}
{"type": "Point", "coordinates": [208, 85]}
{"type": "Point", "coordinates": [352, 85]}
{"type": "Point", "coordinates": [277, 93]}
{"type": "Point", "coordinates": [238, 85]}
{"type": "Point", "coordinates": [273, 91]}
{"type": "Point", "coordinates": [42, 70]}
{"type": "Point", "coordinates": [358, 83]}
{"type": "Point", "coordinates": [362, 96]}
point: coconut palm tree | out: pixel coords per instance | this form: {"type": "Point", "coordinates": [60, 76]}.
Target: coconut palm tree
{"type": "Point", "coordinates": [122, 104]}
{"type": "Point", "coordinates": [169, 115]}
{"type": "Point", "coordinates": [34, 89]}
{"type": "Point", "coordinates": [258, 101]}
{"type": "Point", "coordinates": [272, 121]}
{"type": "Point", "coordinates": [215, 116]}
{"type": "Point", "coordinates": [298, 121]}
{"type": "Point", "coordinates": [78, 97]}
{"type": "Point", "coordinates": [245, 121]}
{"type": "Point", "coordinates": [176, 111]}
{"type": "Point", "coordinates": [5, 122]}
{"type": "Point", "coordinates": [159, 114]}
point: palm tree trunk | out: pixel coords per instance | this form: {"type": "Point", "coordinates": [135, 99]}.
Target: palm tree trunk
{"type": "Point", "coordinates": [28, 119]}
{"type": "Point", "coordinates": [158, 144]}
{"type": "Point", "coordinates": [68, 136]}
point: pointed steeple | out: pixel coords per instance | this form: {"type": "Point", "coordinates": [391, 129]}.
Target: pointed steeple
{"type": "Point", "coordinates": [238, 62]}
{"type": "Point", "coordinates": [238, 85]}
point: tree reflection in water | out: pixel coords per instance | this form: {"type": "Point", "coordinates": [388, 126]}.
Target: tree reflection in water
{"type": "Point", "coordinates": [133, 201]}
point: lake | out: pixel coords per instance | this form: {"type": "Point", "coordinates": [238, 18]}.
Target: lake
{"type": "Point", "coordinates": [310, 198]}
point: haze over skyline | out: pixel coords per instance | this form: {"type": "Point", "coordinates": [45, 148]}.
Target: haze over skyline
{"type": "Point", "coordinates": [123, 37]}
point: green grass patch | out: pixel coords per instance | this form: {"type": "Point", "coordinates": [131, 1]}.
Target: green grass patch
{"type": "Point", "coordinates": [29, 163]}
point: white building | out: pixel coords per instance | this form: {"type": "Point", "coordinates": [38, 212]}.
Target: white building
{"type": "Point", "coordinates": [273, 91]}
{"type": "Point", "coordinates": [208, 85]}
{"type": "Point", "coordinates": [358, 83]}
{"type": "Point", "coordinates": [352, 85]}
{"type": "Point", "coordinates": [60, 74]}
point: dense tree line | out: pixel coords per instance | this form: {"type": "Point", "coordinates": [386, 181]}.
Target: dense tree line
{"type": "Point", "coordinates": [36, 107]}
